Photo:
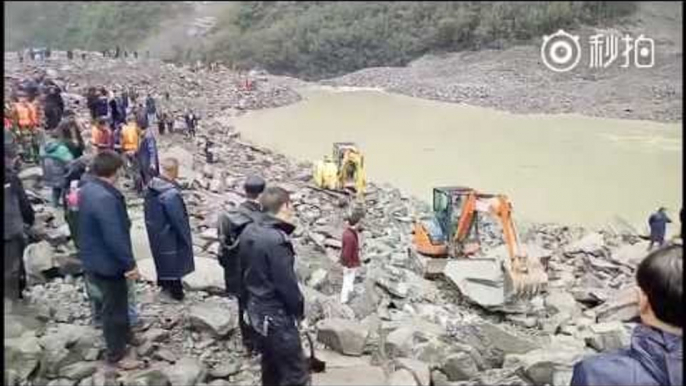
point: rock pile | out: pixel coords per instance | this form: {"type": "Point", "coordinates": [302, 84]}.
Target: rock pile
{"type": "Point", "coordinates": [398, 327]}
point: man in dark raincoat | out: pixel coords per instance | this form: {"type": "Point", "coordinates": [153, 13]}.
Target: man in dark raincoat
{"type": "Point", "coordinates": [169, 232]}
{"type": "Point", "coordinates": [658, 227]}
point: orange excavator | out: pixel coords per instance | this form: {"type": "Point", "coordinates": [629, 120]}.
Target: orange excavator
{"type": "Point", "coordinates": [449, 243]}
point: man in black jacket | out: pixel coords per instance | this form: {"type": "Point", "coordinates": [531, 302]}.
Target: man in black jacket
{"type": "Point", "coordinates": [275, 303]}
{"type": "Point", "coordinates": [18, 213]}
{"type": "Point", "coordinates": [231, 259]}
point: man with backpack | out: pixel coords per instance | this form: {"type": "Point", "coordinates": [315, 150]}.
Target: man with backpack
{"type": "Point", "coordinates": [230, 226]}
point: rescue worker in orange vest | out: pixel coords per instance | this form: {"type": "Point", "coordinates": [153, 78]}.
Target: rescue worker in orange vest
{"type": "Point", "coordinates": [27, 124]}
{"type": "Point", "coordinates": [101, 135]}
{"type": "Point", "coordinates": [130, 139]}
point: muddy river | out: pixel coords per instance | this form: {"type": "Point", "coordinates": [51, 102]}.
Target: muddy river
{"type": "Point", "coordinates": [568, 169]}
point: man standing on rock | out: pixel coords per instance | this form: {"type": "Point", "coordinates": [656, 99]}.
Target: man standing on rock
{"type": "Point", "coordinates": [18, 214]}
{"type": "Point", "coordinates": [350, 254]}
{"type": "Point", "coordinates": [232, 259]}
{"type": "Point", "coordinates": [169, 233]}
{"type": "Point", "coordinates": [658, 227]}
{"type": "Point", "coordinates": [148, 160]}
{"type": "Point", "coordinates": [275, 303]}
{"type": "Point", "coordinates": [106, 251]}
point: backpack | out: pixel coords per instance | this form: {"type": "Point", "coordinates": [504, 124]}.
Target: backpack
{"type": "Point", "coordinates": [230, 225]}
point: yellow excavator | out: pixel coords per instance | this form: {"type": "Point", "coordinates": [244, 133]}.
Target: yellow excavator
{"type": "Point", "coordinates": [342, 172]}
{"type": "Point", "coordinates": [449, 243]}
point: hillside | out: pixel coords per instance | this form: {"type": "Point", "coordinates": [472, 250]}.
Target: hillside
{"type": "Point", "coordinates": [312, 40]}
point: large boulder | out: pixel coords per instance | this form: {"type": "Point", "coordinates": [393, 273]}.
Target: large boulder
{"type": "Point", "coordinates": [38, 257]}
{"type": "Point", "coordinates": [551, 364]}
{"type": "Point", "coordinates": [493, 342]}
{"type": "Point", "coordinates": [219, 317]}
{"type": "Point", "coordinates": [591, 243]}
{"type": "Point", "coordinates": [78, 371]}
{"type": "Point", "coordinates": [630, 254]}
{"type": "Point", "coordinates": [608, 336]}
{"type": "Point", "coordinates": [359, 375]}
{"type": "Point", "coordinates": [460, 367]}
{"type": "Point", "coordinates": [148, 377]}
{"type": "Point", "coordinates": [622, 306]}
{"type": "Point", "coordinates": [22, 355]}
{"type": "Point", "coordinates": [186, 372]}
{"type": "Point", "coordinates": [402, 377]}
{"type": "Point", "coordinates": [420, 370]}
{"type": "Point", "coordinates": [559, 301]}
{"type": "Point", "coordinates": [208, 274]}
{"type": "Point", "coordinates": [402, 341]}
{"type": "Point", "coordinates": [344, 336]}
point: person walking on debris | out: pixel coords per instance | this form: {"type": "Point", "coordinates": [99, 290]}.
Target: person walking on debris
{"type": "Point", "coordinates": [18, 215]}
{"type": "Point", "coordinates": [232, 259]}
{"type": "Point", "coordinates": [150, 109]}
{"type": "Point", "coordinates": [74, 180]}
{"type": "Point", "coordinates": [350, 253]}
{"type": "Point", "coordinates": [71, 133]}
{"type": "Point", "coordinates": [141, 117]}
{"type": "Point", "coordinates": [102, 137]}
{"type": "Point", "coordinates": [25, 114]}
{"type": "Point", "coordinates": [148, 160]}
{"type": "Point", "coordinates": [655, 356]}
{"type": "Point", "coordinates": [658, 227]}
{"type": "Point", "coordinates": [107, 254]}
{"type": "Point", "coordinates": [191, 123]}
{"type": "Point", "coordinates": [54, 107]}
{"type": "Point", "coordinates": [275, 303]}
{"type": "Point", "coordinates": [162, 123]}
{"type": "Point", "coordinates": [169, 232]}
{"type": "Point", "coordinates": [55, 156]}
{"type": "Point", "coordinates": [102, 104]}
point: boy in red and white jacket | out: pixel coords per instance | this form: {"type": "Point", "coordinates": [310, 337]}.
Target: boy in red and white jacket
{"type": "Point", "coordinates": [350, 253]}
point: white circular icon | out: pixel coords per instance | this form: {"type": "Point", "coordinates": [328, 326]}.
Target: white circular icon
{"type": "Point", "coordinates": [560, 51]}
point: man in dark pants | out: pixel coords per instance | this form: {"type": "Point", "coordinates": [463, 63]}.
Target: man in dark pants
{"type": "Point", "coordinates": [275, 303]}
{"type": "Point", "coordinates": [148, 161]}
{"type": "Point", "coordinates": [658, 227]}
{"type": "Point", "coordinates": [106, 252]}
{"type": "Point", "coordinates": [232, 260]}
{"type": "Point", "coordinates": [18, 213]}
{"type": "Point", "coordinates": [169, 233]}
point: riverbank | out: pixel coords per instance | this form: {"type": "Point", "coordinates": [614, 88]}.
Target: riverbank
{"type": "Point", "coordinates": [516, 80]}
{"type": "Point", "coordinates": [398, 327]}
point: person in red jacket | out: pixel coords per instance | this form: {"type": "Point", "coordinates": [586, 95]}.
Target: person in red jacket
{"type": "Point", "coordinates": [350, 253]}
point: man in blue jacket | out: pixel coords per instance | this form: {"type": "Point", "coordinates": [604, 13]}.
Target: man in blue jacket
{"type": "Point", "coordinates": [169, 233]}
{"type": "Point", "coordinates": [658, 227]}
{"type": "Point", "coordinates": [106, 252]}
{"type": "Point", "coordinates": [655, 356]}
{"type": "Point", "coordinates": [275, 303]}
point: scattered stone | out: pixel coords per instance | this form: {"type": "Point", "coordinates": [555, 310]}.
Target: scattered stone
{"type": "Point", "coordinates": [219, 318]}
{"type": "Point", "coordinates": [622, 306]}
{"type": "Point", "coordinates": [22, 355]}
{"type": "Point", "coordinates": [460, 367]}
{"type": "Point", "coordinates": [608, 336]}
{"type": "Point", "coordinates": [225, 370]}
{"type": "Point", "coordinates": [186, 371]}
{"type": "Point", "coordinates": [78, 371]}
{"type": "Point", "coordinates": [151, 377]}
{"type": "Point", "coordinates": [419, 370]}
{"type": "Point", "coordinates": [156, 335]}
{"type": "Point", "coordinates": [344, 336]}
{"type": "Point", "coordinates": [402, 377]}
{"type": "Point", "coordinates": [165, 355]}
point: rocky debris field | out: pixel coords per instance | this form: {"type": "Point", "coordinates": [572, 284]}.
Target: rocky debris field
{"type": "Point", "coordinates": [398, 327]}
{"type": "Point", "coordinates": [517, 81]}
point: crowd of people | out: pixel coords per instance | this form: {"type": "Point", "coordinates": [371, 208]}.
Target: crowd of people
{"type": "Point", "coordinates": [256, 251]}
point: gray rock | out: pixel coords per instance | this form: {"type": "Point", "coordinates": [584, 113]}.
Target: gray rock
{"type": "Point", "coordinates": [344, 336]}
{"type": "Point", "coordinates": [548, 364]}
{"type": "Point", "coordinates": [220, 319]}
{"type": "Point", "coordinates": [146, 349]}
{"type": "Point", "coordinates": [630, 255]}
{"type": "Point", "coordinates": [186, 371]}
{"type": "Point", "coordinates": [608, 336]}
{"type": "Point", "coordinates": [420, 370]}
{"type": "Point", "coordinates": [165, 355]}
{"type": "Point", "coordinates": [559, 301]}
{"type": "Point", "coordinates": [460, 367]}
{"type": "Point", "coordinates": [22, 355]}
{"type": "Point", "coordinates": [220, 382]}
{"type": "Point", "coordinates": [38, 257]}
{"type": "Point", "coordinates": [148, 377]}
{"type": "Point", "coordinates": [591, 243]}
{"type": "Point", "coordinates": [155, 335]}
{"type": "Point", "coordinates": [224, 370]}
{"type": "Point", "coordinates": [622, 306]}
{"type": "Point", "coordinates": [78, 371]}
{"type": "Point", "coordinates": [403, 341]}
{"type": "Point", "coordinates": [402, 377]}
{"type": "Point", "coordinates": [62, 382]}
{"type": "Point", "coordinates": [360, 375]}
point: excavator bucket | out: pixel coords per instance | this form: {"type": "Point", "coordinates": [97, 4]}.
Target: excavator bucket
{"type": "Point", "coordinates": [496, 280]}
